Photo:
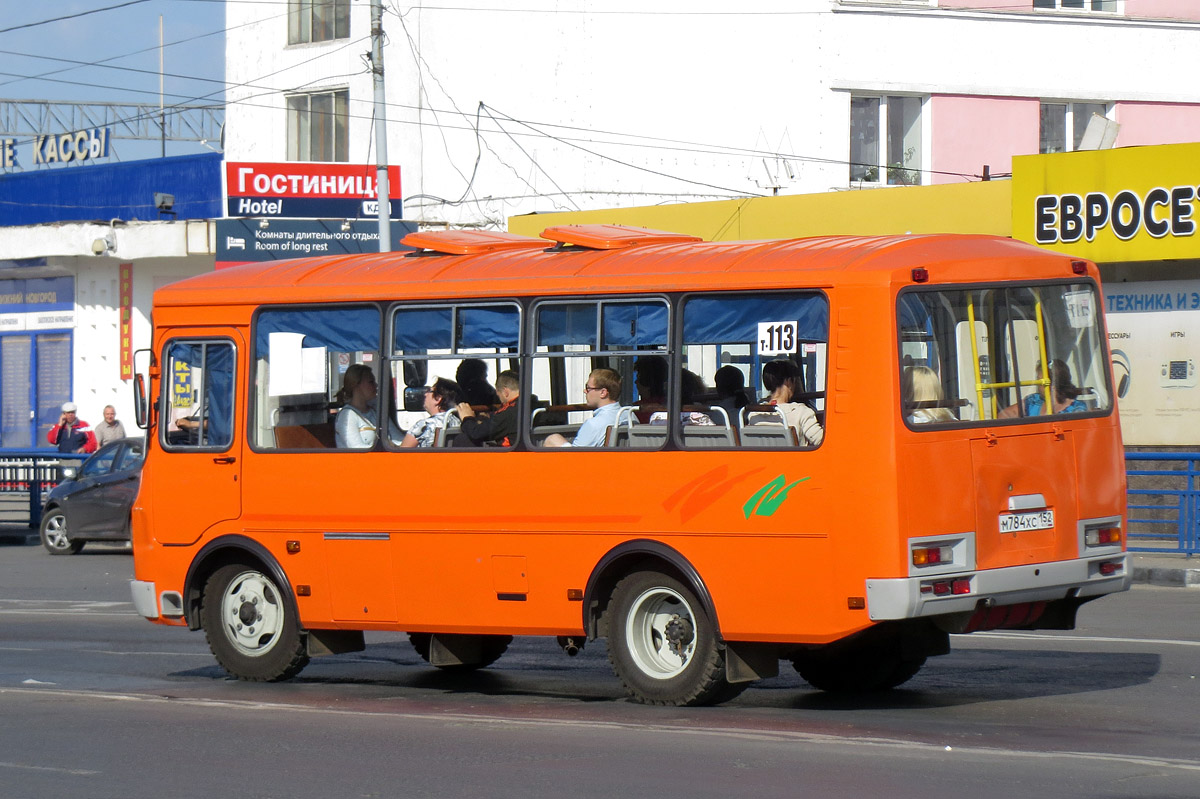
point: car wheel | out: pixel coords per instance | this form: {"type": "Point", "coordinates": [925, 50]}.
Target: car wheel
{"type": "Point", "coordinates": [54, 534]}
{"type": "Point", "coordinates": [250, 626]}
{"type": "Point", "coordinates": [663, 646]}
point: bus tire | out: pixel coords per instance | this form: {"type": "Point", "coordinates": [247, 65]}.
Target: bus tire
{"type": "Point", "coordinates": [662, 645]}
{"type": "Point", "coordinates": [865, 671]}
{"type": "Point", "coordinates": [54, 534]}
{"type": "Point", "coordinates": [250, 626]}
{"type": "Point", "coordinates": [490, 648]}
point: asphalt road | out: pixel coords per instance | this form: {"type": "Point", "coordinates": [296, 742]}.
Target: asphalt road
{"type": "Point", "coordinates": [96, 702]}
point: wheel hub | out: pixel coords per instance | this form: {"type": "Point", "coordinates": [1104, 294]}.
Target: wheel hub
{"type": "Point", "coordinates": [680, 634]}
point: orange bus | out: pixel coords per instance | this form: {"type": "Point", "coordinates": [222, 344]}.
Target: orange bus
{"type": "Point", "coordinates": [717, 456]}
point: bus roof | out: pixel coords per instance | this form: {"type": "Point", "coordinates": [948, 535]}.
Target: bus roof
{"type": "Point", "coordinates": [635, 263]}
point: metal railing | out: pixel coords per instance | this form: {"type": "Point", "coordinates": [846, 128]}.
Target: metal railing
{"type": "Point", "coordinates": [1164, 502]}
{"type": "Point", "coordinates": [32, 472]}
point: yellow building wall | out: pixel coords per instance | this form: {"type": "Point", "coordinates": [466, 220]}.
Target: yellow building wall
{"type": "Point", "coordinates": [984, 207]}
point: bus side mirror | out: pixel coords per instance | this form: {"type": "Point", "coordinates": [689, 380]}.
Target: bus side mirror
{"type": "Point", "coordinates": [141, 405]}
{"type": "Point", "coordinates": [139, 401]}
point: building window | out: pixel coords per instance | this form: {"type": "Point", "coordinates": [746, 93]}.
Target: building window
{"type": "Point", "coordinates": [898, 158]}
{"type": "Point", "coordinates": [1063, 124]}
{"type": "Point", "coordinates": [318, 126]}
{"type": "Point", "coordinates": [318, 20]}
{"type": "Point", "coordinates": [1078, 5]}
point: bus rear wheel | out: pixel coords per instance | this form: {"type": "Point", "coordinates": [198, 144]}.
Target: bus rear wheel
{"type": "Point", "coordinates": [484, 650]}
{"type": "Point", "coordinates": [863, 670]}
{"type": "Point", "coordinates": [662, 645]}
{"type": "Point", "coordinates": [249, 625]}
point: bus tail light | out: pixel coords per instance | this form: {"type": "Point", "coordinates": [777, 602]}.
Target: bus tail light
{"type": "Point", "coordinates": [928, 556]}
{"type": "Point", "coordinates": [1109, 568]}
{"type": "Point", "coordinates": [1103, 536]}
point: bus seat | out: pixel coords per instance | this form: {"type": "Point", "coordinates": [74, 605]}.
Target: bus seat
{"type": "Point", "coordinates": [444, 435]}
{"type": "Point", "coordinates": [305, 436]}
{"type": "Point", "coordinates": [769, 435]}
{"type": "Point", "coordinates": [709, 436]}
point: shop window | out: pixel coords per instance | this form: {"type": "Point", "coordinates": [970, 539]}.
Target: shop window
{"type": "Point", "coordinates": [318, 20]}
{"type": "Point", "coordinates": [318, 126]}
{"type": "Point", "coordinates": [885, 140]}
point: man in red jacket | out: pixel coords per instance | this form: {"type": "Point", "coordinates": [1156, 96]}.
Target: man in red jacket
{"type": "Point", "coordinates": [72, 435]}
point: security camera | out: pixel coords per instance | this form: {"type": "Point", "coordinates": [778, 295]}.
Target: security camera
{"type": "Point", "coordinates": [99, 247]}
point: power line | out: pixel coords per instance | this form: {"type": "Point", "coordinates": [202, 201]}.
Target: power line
{"type": "Point", "coordinates": [76, 15]}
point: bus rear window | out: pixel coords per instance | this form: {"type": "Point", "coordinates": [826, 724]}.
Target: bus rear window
{"type": "Point", "coordinates": [981, 354]}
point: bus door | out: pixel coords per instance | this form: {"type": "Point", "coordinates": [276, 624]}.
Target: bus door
{"type": "Point", "coordinates": [196, 432]}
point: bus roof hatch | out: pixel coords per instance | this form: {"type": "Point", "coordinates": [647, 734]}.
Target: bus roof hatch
{"type": "Point", "coordinates": [468, 242]}
{"type": "Point", "coordinates": [612, 237]}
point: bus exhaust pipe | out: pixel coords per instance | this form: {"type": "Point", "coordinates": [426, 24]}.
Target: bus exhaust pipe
{"type": "Point", "coordinates": [571, 645]}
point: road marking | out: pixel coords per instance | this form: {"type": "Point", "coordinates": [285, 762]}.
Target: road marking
{"type": "Point", "coordinates": [78, 772]}
{"type": "Point", "coordinates": [896, 744]}
{"type": "Point", "coordinates": [64, 607]}
{"type": "Point", "coordinates": [1032, 636]}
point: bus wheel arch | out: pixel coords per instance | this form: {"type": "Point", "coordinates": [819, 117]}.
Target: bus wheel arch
{"type": "Point", "coordinates": [635, 556]}
{"type": "Point", "coordinates": [239, 596]}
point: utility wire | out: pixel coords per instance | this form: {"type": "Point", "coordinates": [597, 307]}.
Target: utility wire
{"type": "Point", "coordinates": [76, 15]}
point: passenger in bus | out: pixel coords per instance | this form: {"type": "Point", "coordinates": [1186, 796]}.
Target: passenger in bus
{"type": "Point", "coordinates": [921, 384]}
{"type": "Point", "coordinates": [498, 428]}
{"type": "Point", "coordinates": [440, 400]}
{"type": "Point", "coordinates": [474, 370]}
{"type": "Point", "coordinates": [1063, 391]}
{"type": "Point", "coordinates": [691, 389]}
{"type": "Point", "coordinates": [782, 379]}
{"type": "Point", "coordinates": [731, 390]}
{"type": "Point", "coordinates": [650, 379]}
{"type": "Point", "coordinates": [357, 422]}
{"type": "Point", "coordinates": [601, 392]}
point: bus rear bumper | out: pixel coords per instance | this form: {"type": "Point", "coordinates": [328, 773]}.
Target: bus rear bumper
{"type": "Point", "coordinates": [923, 597]}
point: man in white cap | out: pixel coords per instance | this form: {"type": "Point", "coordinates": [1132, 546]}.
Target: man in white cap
{"type": "Point", "coordinates": [71, 434]}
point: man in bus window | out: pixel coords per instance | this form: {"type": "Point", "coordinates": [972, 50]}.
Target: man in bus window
{"type": "Point", "coordinates": [601, 391]}
{"type": "Point", "coordinates": [498, 428]}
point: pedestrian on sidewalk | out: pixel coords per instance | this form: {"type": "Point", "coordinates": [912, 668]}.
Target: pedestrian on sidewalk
{"type": "Point", "coordinates": [72, 435]}
{"type": "Point", "coordinates": [110, 429]}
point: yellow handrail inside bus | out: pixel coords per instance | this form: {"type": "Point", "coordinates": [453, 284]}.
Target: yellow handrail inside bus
{"type": "Point", "coordinates": [1043, 381]}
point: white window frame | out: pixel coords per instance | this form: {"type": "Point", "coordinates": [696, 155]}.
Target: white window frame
{"type": "Point", "coordinates": [300, 144]}
{"type": "Point", "coordinates": [908, 177]}
{"type": "Point", "coordinates": [303, 15]}
{"type": "Point", "coordinates": [1088, 7]}
{"type": "Point", "coordinates": [1069, 124]}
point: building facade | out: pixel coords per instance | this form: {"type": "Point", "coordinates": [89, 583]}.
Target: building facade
{"type": "Point", "coordinates": [497, 109]}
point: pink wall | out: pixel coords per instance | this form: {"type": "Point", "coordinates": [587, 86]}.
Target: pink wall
{"type": "Point", "coordinates": [1161, 9]}
{"type": "Point", "coordinates": [969, 132]}
{"type": "Point", "coordinates": [1157, 123]}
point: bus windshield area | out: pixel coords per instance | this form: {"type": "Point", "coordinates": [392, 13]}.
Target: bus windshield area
{"type": "Point", "coordinates": [998, 353]}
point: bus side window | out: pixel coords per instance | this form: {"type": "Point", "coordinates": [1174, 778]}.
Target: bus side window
{"type": "Point", "coordinates": [752, 372]}
{"type": "Point", "coordinates": [603, 369]}
{"type": "Point", "coordinates": [462, 349]}
{"type": "Point", "coordinates": [199, 400]}
{"type": "Point", "coordinates": [303, 357]}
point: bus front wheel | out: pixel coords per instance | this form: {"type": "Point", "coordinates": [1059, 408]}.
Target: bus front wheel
{"type": "Point", "coordinates": [662, 645]}
{"type": "Point", "coordinates": [249, 625]}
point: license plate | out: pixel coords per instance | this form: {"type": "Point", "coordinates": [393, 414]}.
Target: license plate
{"type": "Point", "coordinates": [1037, 520]}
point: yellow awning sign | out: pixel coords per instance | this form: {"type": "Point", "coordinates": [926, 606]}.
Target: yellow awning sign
{"type": "Point", "coordinates": [1133, 204]}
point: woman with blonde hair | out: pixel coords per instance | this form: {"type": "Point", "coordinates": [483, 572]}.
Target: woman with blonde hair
{"type": "Point", "coordinates": [920, 384]}
{"type": "Point", "coordinates": [356, 422]}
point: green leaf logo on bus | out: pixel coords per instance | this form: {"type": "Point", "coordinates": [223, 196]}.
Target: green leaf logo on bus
{"type": "Point", "coordinates": [768, 498]}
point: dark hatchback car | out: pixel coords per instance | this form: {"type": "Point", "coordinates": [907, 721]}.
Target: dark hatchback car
{"type": "Point", "coordinates": [92, 502]}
